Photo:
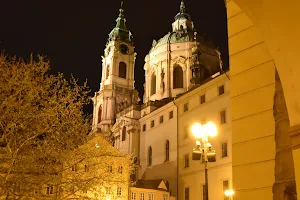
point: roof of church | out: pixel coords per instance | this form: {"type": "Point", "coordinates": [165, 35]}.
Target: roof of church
{"type": "Point", "coordinates": [121, 32]}
{"type": "Point", "coordinates": [150, 184]}
{"type": "Point", "coordinates": [100, 146]}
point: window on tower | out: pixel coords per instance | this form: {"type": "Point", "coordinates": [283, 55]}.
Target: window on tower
{"type": "Point", "coordinates": [122, 70]}
{"type": "Point", "coordinates": [153, 84]}
{"type": "Point", "coordinates": [177, 77]}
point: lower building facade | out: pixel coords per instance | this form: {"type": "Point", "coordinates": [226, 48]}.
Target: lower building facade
{"type": "Point", "coordinates": [209, 102]}
{"type": "Point", "coordinates": [164, 140]}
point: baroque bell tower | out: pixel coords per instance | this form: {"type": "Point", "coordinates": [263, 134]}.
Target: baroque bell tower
{"type": "Point", "coordinates": [117, 83]}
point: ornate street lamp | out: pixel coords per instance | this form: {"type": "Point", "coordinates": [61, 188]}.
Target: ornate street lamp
{"type": "Point", "coordinates": [203, 148]}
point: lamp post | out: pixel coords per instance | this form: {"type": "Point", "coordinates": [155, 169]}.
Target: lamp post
{"type": "Point", "coordinates": [204, 148]}
{"type": "Point", "coordinates": [229, 193]}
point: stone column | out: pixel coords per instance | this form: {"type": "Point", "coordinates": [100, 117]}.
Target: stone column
{"type": "Point", "coordinates": [284, 186]}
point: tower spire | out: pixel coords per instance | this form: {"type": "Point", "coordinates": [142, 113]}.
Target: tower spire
{"type": "Point", "coordinates": [120, 32]}
{"type": "Point", "coordinates": [182, 12]}
{"type": "Point", "coordinates": [121, 9]}
{"type": "Point", "coordinates": [182, 7]}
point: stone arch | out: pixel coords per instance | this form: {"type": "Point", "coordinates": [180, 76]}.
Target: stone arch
{"type": "Point", "coordinates": [258, 46]}
{"type": "Point", "coordinates": [122, 70]}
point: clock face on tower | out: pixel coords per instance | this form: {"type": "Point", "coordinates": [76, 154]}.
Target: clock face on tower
{"type": "Point", "coordinates": [124, 49]}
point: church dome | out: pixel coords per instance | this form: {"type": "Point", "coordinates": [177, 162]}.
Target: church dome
{"type": "Point", "coordinates": [183, 30]}
{"type": "Point", "coordinates": [172, 38]}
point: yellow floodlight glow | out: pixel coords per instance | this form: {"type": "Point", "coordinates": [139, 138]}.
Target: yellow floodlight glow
{"type": "Point", "coordinates": [211, 129]}
{"type": "Point", "coordinates": [229, 193]}
{"type": "Point", "coordinates": [197, 130]}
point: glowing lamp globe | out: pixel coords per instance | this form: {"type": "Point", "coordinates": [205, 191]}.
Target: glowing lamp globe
{"type": "Point", "coordinates": [197, 130]}
{"type": "Point", "coordinates": [211, 129]}
{"type": "Point", "coordinates": [229, 193]}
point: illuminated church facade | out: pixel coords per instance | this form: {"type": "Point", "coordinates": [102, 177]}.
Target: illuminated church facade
{"type": "Point", "coordinates": [184, 84]}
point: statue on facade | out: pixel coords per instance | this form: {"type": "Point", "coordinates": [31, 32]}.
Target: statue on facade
{"type": "Point", "coordinates": [162, 82]}
{"type": "Point", "coordinates": [154, 42]}
{"type": "Point", "coordinates": [135, 98]}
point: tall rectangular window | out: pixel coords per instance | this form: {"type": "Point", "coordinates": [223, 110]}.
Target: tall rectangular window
{"type": "Point", "coordinates": [161, 119]}
{"type": "Point", "coordinates": [221, 89]}
{"type": "Point", "coordinates": [144, 127]}
{"type": "Point", "coordinates": [171, 114]}
{"type": "Point", "coordinates": [120, 169]}
{"type": "Point", "coordinates": [133, 196]}
{"type": "Point", "coordinates": [108, 190]}
{"type": "Point", "coordinates": [223, 117]}
{"type": "Point", "coordinates": [119, 191]}
{"type": "Point", "coordinates": [165, 197]}
{"type": "Point", "coordinates": [224, 150]}
{"type": "Point", "coordinates": [150, 196]}
{"type": "Point", "coordinates": [202, 99]}
{"type": "Point", "coordinates": [204, 192]}
{"type": "Point", "coordinates": [185, 107]}
{"type": "Point", "coordinates": [74, 168]}
{"type": "Point", "coordinates": [86, 168]}
{"type": "Point", "coordinates": [225, 187]}
{"type": "Point", "coordinates": [109, 169]}
{"type": "Point", "coordinates": [186, 132]}
{"type": "Point", "coordinates": [186, 193]}
{"type": "Point", "coordinates": [186, 161]}
{"type": "Point", "coordinates": [152, 123]}
{"type": "Point", "coordinates": [49, 189]}
{"type": "Point", "coordinates": [142, 195]}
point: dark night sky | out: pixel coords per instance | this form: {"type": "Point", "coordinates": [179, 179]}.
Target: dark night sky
{"type": "Point", "coordinates": [73, 34]}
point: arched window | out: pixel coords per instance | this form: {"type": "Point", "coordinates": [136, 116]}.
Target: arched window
{"type": "Point", "coordinates": [177, 77]}
{"type": "Point", "coordinates": [153, 84]}
{"type": "Point", "coordinates": [150, 156]}
{"type": "Point", "coordinates": [100, 114]}
{"type": "Point", "coordinates": [124, 133]}
{"type": "Point", "coordinates": [122, 70]}
{"type": "Point", "coordinates": [167, 148]}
